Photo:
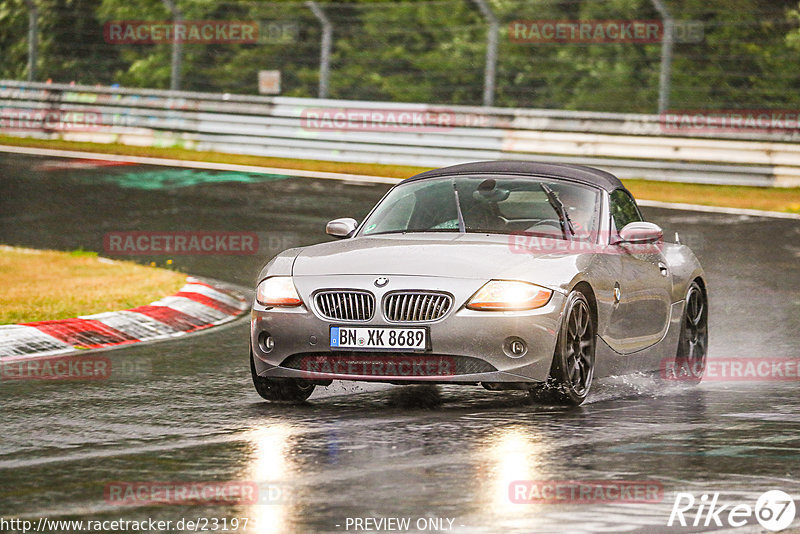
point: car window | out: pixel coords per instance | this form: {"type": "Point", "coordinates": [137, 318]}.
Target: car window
{"type": "Point", "coordinates": [623, 209]}
{"type": "Point", "coordinates": [397, 215]}
{"type": "Point", "coordinates": [488, 204]}
{"type": "Point", "coordinates": [525, 204]}
{"type": "Point", "coordinates": [418, 207]}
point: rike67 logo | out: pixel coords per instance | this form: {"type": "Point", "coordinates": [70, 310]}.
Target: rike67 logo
{"type": "Point", "coordinates": [774, 510]}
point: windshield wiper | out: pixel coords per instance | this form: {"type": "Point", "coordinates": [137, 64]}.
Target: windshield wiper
{"type": "Point", "coordinates": [558, 207]}
{"type": "Point", "coordinates": [461, 226]}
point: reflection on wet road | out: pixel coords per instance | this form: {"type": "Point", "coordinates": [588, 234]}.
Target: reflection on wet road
{"type": "Point", "coordinates": [186, 410]}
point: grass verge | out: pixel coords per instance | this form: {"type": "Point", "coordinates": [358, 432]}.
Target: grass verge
{"type": "Point", "coordinates": [392, 171]}
{"type": "Point", "coordinates": [730, 196]}
{"type": "Point", "coordinates": [733, 196]}
{"type": "Point", "coordinates": [40, 285]}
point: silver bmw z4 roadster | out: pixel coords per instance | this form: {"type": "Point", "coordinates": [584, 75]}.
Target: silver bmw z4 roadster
{"type": "Point", "coordinates": [509, 275]}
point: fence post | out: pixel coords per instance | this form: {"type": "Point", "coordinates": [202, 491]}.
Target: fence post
{"type": "Point", "coordinates": [325, 47]}
{"type": "Point", "coordinates": [666, 56]}
{"type": "Point", "coordinates": [491, 53]}
{"type": "Point", "coordinates": [33, 39]}
{"type": "Point", "coordinates": [177, 46]}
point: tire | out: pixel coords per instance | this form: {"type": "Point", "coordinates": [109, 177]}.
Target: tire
{"type": "Point", "coordinates": [690, 359]}
{"type": "Point", "coordinates": [280, 389]}
{"type": "Point", "coordinates": [572, 369]}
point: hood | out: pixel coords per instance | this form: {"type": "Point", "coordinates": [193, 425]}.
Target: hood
{"type": "Point", "coordinates": [447, 255]}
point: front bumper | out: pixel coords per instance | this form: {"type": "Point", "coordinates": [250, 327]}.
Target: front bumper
{"type": "Point", "coordinates": [466, 346]}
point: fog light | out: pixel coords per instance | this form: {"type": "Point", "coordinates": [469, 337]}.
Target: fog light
{"type": "Point", "coordinates": [515, 347]}
{"type": "Point", "coordinates": [266, 342]}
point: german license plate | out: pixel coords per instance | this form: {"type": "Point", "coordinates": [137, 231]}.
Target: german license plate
{"type": "Point", "coordinates": [347, 337]}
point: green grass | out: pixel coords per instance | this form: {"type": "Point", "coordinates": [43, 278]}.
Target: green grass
{"type": "Point", "coordinates": [393, 171]}
{"type": "Point", "coordinates": [761, 198]}
{"type": "Point", "coordinates": [41, 285]}
{"type": "Point", "coordinates": [783, 199]}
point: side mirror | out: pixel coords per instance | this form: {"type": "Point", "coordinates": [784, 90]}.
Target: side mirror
{"type": "Point", "coordinates": [638, 233]}
{"type": "Point", "coordinates": [341, 228]}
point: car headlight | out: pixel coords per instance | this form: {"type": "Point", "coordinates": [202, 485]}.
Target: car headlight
{"type": "Point", "coordinates": [505, 295]}
{"type": "Point", "coordinates": [277, 291]}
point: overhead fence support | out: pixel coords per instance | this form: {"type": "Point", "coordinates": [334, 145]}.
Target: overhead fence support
{"type": "Point", "coordinates": [177, 47]}
{"type": "Point", "coordinates": [33, 39]}
{"type": "Point", "coordinates": [667, 41]}
{"type": "Point", "coordinates": [325, 47]}
{"type": "Point", "coordinates": [490, 72]}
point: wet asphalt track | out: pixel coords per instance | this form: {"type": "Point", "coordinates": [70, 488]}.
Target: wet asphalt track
{"type": "Point", "coordinates": [188, 412]}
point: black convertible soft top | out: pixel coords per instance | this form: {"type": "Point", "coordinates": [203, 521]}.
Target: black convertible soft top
{"type": "Point", "coordinates": [577, 173]}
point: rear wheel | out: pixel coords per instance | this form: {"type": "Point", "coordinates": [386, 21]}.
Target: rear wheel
{"type": "Point", "coordinates": [573, 362]}
{"type": "Point", "coordinates": [690, 360]}
{"type": "Point", "coordinates": [280, 389]}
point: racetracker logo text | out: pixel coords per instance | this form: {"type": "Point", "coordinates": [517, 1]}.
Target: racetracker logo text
{"type": "Point", "coordinates": [190, 32]}
{"type": "Point", "coordinates": [182, 493]}
{"type": "Point", "coordinates": [181, 243]}
{"type": "Point", "coordinates": [50, 119]}
{"type": "Point", "coordinates": [737, 120]}
{"type": "Point", "coordinates": [733, 370]}
{"type": "Point", "coordinates": [57, 368]}
{"type": "Point", "coordinates": [586, 31]}
{"type": "Point", "coordinates": [388, 120]}
{"type": "Point", "coordinates": [582, 242]}
{"type": "Point", "coordinates": [585, 491]}
{"type": "Point", "coordinates": [371, 365]}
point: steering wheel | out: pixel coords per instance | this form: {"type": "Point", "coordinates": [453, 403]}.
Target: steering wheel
{"type": "Point", "coordinates": [546, 223]}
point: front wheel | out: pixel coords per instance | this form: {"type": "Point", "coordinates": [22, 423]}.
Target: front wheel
{"type": "Point", "coordinates": [690, 360]}
{"type": "Point", "coordinates": [573, 362]}
{"type": "Point", "coordinates": [280, 389]}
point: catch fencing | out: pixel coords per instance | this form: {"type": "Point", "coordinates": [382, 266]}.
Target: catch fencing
{"type": "Point", "coordinates": [685, 148]}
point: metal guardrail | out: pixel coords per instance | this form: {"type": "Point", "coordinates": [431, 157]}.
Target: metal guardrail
{"type": "Point", "coordinates": [629, 145]}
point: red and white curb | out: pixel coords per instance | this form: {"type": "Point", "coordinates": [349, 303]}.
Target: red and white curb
{"type": "Point", "coordinates": [196, 306]}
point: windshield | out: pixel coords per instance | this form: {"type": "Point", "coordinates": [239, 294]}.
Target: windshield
{"type": "Point", "coordinates": [499, 205]}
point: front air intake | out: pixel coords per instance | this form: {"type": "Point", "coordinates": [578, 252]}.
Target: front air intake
{"type": "Point", "coordinates": [345, 305]}
{"type": "Point", "coordinates": [416, 306]}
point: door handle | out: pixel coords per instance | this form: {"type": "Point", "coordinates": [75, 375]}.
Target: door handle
{"type": "Point", "coordinates": [662, 268]}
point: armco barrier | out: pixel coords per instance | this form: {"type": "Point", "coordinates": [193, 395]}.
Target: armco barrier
{"type": "Point", "coordinates": [629, 145]}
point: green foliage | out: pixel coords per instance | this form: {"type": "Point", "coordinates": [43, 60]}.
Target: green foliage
{"type": "Point", "coordinates": [13, 42]}
{"type": "Point", "coordinates": [432, 51]}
